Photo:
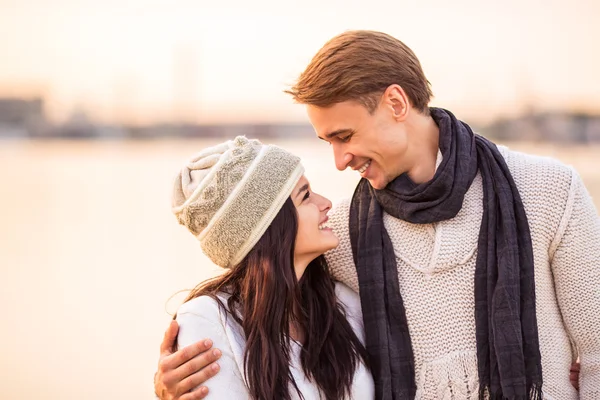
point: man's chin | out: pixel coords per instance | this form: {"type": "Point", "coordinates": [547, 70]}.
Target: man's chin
{"type": "Point", "coordinates": [377, 184]}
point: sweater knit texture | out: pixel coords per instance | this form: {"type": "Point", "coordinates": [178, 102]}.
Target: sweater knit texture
{"type": "Point", "coordinates": [436, 266]}
{"type": "Point", "coordinates": [202, 318]}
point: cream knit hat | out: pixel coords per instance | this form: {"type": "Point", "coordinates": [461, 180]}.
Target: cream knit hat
{"type": "Point", "coordinates": [227, 195]}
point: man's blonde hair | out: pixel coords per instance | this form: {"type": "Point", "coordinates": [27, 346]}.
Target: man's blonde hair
{"type": "Point", "coordinates": [360, 66]}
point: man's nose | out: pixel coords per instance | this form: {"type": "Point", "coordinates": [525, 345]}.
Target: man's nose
{"type": "Point", "coordinates": [342, 158]}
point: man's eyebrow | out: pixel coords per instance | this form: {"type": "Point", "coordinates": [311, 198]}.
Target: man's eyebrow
{"type": "Point", "coordinates": [302, 189]}
{"type": "Point", "coordinates": [333, 134]}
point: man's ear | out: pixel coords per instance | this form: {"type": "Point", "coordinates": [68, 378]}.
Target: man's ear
{"type": "Point", "coordinates": [396, 101]}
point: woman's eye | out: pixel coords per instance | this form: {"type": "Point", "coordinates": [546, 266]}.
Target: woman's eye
{"type": "Point", "coordinates": [306, 196]}
{"type": "Point", "coordinates": [345, 139]}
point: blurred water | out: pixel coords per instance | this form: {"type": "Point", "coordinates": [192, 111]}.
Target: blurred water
{"type": "Point", "coordinates": [90, 254]}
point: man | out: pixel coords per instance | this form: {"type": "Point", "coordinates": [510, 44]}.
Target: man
{"type": "Point", "coordinates": [478, 267]}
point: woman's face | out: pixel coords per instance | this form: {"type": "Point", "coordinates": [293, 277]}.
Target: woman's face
{"type": "Point", "coordinates": [314, 237]}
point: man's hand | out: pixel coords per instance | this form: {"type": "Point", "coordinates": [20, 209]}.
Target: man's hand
{"type": "Point", "coordinates": [180, 372]}
{"type": "Point", "coordinates": [574, 375]}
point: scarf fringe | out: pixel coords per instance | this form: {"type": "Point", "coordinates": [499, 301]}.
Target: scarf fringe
{"type": "Point", "coordinates": [535, 393]}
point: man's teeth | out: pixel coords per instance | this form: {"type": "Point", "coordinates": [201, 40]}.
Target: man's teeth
{"type": "Point", "coordinates": [364, 167]}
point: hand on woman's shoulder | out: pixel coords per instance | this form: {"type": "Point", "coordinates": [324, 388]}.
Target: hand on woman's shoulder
{"type": "Point", "coordinates": [200, 318]}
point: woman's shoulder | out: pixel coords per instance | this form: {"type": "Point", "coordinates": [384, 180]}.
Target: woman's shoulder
{"type": "Point", "coordinates": [350, 301]}
{"type": "Point", "coordinates": [203, 317]}
{"type": "Point", "coordinates": [205, 307]}
{"type": "Point", "coordinates": [348, 297]}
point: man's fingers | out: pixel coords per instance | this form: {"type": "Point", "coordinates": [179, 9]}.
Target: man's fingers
{"type": "Point", "coordinates": [166, 347]}
{"type": "Point", "coordinates": [199, 393]}
{"type": "Point", "coordinates": [199, 377]}
{"type": "Point", "coordinates": [574, 375]}
{"type": "Point", "coordinates": [182, 356]}
{"type": "Point", "coordinates": [199, 355]}
{"type": "Point", "coordinates": [575, 367]}
{"type": "Point", "coordinates": [575, 383]}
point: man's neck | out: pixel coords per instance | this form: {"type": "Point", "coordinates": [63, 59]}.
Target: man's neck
{"type": "Point", "coordinates": [424, 145]}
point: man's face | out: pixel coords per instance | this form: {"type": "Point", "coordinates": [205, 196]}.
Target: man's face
{"type": "Point", "coordinates": [372, 144]}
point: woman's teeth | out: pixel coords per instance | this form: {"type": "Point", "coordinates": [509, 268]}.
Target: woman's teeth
{"type": "Point", "coordinates": [364, 167]}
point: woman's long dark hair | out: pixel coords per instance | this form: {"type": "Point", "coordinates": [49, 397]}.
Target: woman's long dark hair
{"type": "Point", "coordinates": [266, 292]}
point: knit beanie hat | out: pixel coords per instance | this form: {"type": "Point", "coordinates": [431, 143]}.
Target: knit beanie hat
{"type": "Point", "coordinates": [228, 195]}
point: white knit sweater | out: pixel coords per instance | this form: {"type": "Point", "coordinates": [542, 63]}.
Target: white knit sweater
{"type": "Point", "coordinates": [202, 318]}
{"type": "Point", "coordinates": [436, 265]}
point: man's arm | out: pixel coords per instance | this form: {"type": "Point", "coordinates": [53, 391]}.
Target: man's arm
{"type": "Point", "coordinates": [576, 270]}
{"type": "Point", "coordinates": [574, 374]}
{"type": "Point", "coordinates": [181, 371]}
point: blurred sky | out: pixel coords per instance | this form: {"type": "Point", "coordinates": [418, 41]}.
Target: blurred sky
{"type": "Point", "coordinates": [143, 61]}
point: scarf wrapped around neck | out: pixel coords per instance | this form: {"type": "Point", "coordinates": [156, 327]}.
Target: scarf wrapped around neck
{"type": "Point", "coordinates": [508, 354]}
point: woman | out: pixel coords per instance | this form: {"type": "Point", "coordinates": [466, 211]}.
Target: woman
{"type": "Point", "coordinates": [285, 328]}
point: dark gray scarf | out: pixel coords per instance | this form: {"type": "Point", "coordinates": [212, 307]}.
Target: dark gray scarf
{"type": "Point", "coordinates": [508, 355]}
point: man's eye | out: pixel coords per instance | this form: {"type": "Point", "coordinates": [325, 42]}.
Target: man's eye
{"type": "Point", "coordinates": [346, 139]}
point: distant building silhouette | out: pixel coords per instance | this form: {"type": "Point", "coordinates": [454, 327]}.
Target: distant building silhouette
{"type": "Point", "coordinates": [22, 117]}
{"type": "Point", "coordinates": [558, 127]}
{"type": "Point", "coordinates": [26, 118]}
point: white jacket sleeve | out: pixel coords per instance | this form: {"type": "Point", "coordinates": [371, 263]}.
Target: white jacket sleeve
{"type": "Point", "coordinates": [198, 319]}
{"type": "Point", "coordinates": [576, 269]}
